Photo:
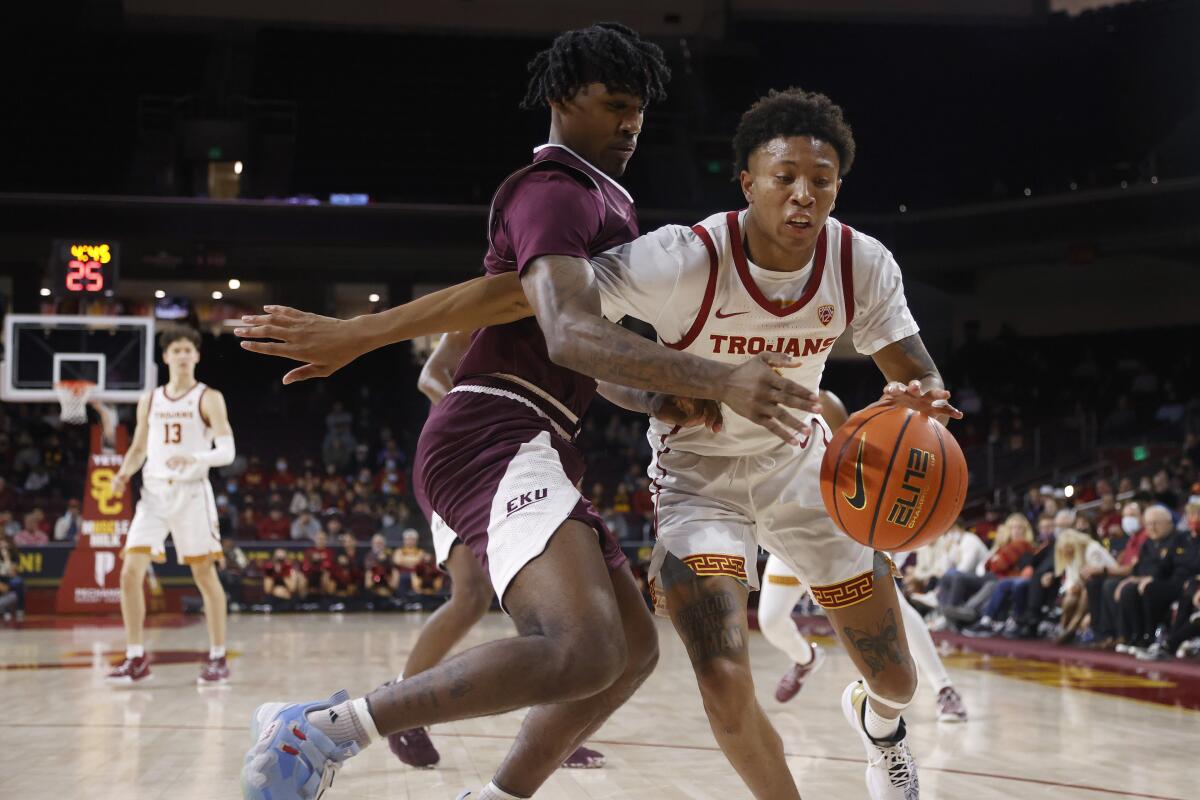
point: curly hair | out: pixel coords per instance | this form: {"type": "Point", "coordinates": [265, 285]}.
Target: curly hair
{"type": "Point", "coordinates": [792, 112]}
{"type": "Point", "coordinates": [607, 53]}
{"type": "Point", "coordinates": [173, 333]}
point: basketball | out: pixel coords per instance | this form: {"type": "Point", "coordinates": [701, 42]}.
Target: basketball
{"type": "Point", "coordinates": [893, 479]}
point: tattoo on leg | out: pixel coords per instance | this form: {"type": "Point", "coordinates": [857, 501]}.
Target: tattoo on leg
{"type": "Point", "coordinates": [710, 627]}
{"type": "Point", "coordinates": [459, 685]}
{"type": "Point", "coordinates": [879, 648]}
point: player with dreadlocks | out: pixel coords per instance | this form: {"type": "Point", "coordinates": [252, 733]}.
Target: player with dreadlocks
{"type": "Point", "coordinates": [496, 460]}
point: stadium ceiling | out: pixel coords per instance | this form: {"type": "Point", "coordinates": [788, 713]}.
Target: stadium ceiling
{"type": "Point", "coordinates": [650, 17]}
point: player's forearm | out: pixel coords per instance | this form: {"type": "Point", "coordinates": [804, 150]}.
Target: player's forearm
{"type": "Point", "coordinates": [478, 303]}
{"type": "Point", "coordinates": [636, 400]}
{"type": "Point", "coordinates": [589, 344]}
{"type": "Point", "coordinates": [135, 457]}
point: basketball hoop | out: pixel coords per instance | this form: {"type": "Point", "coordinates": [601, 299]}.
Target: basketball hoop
{"type": "Point", "coordinates": [73, 397]}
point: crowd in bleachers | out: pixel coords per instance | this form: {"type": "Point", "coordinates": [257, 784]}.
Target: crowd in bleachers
{"type": "Point", "coordinates": [1110, 565]}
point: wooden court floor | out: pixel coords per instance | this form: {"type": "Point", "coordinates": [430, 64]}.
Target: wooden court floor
{"type": "Point", "coordinates": [68, 735]}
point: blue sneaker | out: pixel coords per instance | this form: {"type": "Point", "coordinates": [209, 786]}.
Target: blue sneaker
{"type": "Point", "coordinates": [290, 758]}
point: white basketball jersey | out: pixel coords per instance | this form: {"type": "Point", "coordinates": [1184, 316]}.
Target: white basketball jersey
{"type": "Point", "coordinates": [177, 428]}
{"type": "Point", "coordinates": [703, 296]}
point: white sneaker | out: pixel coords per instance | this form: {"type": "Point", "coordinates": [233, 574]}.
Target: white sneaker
{"type": "Point", "coordinates": [891, 771]}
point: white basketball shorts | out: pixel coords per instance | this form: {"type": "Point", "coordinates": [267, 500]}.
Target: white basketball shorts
{"type": "Point", "coordinates": [186, 510]}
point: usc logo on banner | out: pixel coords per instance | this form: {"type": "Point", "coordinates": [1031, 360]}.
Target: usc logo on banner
{"type": "Point", "coordinates": [102, 492]}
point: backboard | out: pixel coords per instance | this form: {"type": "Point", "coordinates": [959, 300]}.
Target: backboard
{"type": "Point", "coordinates": [116, 353]}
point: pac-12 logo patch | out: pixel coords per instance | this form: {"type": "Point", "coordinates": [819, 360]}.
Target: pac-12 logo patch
{"type": "Point", "coordinates": [825, 314]}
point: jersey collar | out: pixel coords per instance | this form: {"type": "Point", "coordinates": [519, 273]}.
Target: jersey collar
{"type": "Point", "coordinates": [743, 270]}
{"type": "Point", "coordinates": [594, 168]}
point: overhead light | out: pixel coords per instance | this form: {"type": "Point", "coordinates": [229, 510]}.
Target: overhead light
{"type": "Point", "coordinates": [1074, 186]}
{"type": "Point", "coordinates": [234, 283]}
{"type": "Point", "coordinates": [903, 208]}
{"type": "Point", "coordinates": [1154, 179]}
{"type": "Point", "coordinates": [1124, 184]}
{"type": "Point", "coordinates": [237, 168]}
{"type": "Point", "coordinates": [373, 297]}
{"type": "Point", "coordinates": [217, 295]}
{"type": "Point", "coordinates": [44, 292]}
{"type": "Point", "coordinates": [1028, 191]}
{"type": "Point", "coordinates": [1069, 490]}
{"type": "Point", "coordinates": [159, 294]}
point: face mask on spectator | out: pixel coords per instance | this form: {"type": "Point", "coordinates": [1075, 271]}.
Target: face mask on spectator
{"type": "Point", "coordinates": [1131, 525]}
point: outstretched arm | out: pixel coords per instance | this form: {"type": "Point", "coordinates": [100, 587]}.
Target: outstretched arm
{"type": "Point", "coordinates": [135, 456]}
{"type": "Point", "coordinates": [326, 344]}
{"type": "Point", "coordinates": [566, 301]}
{"type": "Point", "coordinates": [437, 375]}
{"type": "Point", "coordinates": [913, 379]}
{"type": "Point", "coordinates": [685, 412]}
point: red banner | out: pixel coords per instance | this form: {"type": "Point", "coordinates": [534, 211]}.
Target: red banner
{"type": "Point", "coordinates": [92, 581]}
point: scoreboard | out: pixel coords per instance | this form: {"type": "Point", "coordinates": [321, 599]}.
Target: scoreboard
{"type": "Point", "coordinates": [79, 267]}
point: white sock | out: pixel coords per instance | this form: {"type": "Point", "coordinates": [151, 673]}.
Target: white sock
{"type": "Point", "coordinates": [400, 677]}
{"type": "Point", "coordinates": [134, 651]}
{"type": "Point", "coordinates": [216, 652]}
{"type": "Point", "coordinates": [349, 721]}
{"type": "Point", "coordinates": [878, 727]}
{"type": "Point", "coordinates": [494, 792]}
{"type": "Point", "coordinates": [923, 650]}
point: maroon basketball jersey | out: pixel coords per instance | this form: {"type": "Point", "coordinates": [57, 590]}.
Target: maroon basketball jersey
{"type": "Point", "coordinates": [558, 205]}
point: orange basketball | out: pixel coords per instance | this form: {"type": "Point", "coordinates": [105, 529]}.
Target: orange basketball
{"type": "Point", "coordinates": [893, 479]}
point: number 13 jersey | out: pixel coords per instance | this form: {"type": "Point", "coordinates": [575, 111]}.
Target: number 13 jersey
{"type": "Point", "coordinates": [177, 428]}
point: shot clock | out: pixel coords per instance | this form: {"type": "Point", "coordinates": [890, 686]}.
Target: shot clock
{"type": "Point", "coordinates": [87, 267]}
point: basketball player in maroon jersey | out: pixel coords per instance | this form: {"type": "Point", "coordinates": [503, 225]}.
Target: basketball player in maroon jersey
{"type": "Point", "coordinates": [496, 462]}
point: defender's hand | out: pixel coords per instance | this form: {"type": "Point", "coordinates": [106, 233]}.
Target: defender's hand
{"type": "Point", "coordinates": [686, 412]}
{"type": "Point", "coordinates": [933, 403]}
{"type": "Point", "coordinates": [324, 344]}
{"type": "Point", "coordinates": [758, 392]}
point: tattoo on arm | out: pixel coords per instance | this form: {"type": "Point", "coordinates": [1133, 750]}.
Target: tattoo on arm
{"type": "Point", "coordinates": [907, 360]}
{"type": "Point", "coordinates": [879, 648]}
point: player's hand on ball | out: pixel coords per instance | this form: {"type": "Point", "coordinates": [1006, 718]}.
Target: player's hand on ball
{"type": "Point", "coordinates": [686, 412]}
{"type": "Point", "coordinates": [325, 344]}
{"type": "Point", "coordinates": [757, 391]}
{"type": "Point", "coordinates": [933, 403]}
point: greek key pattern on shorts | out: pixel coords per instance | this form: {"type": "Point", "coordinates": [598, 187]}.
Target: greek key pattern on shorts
{"type": "Point", "coordinates": [844, 593]}
{"type": "Point", "coordinates": [704, 564]}
{"type": "Point", "coordinates": [783, 580]}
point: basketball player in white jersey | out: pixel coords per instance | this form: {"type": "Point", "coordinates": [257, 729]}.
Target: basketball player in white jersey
{"type": "Point", "coordinates": [182, 430]}
{"type": "Point", "coordinates": [781, 276]}
{"type": "Point", "coordinates": [782, 589]}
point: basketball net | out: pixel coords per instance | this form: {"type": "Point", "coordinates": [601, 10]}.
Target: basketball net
{"type": "Point", "coordinates": [73, 400]}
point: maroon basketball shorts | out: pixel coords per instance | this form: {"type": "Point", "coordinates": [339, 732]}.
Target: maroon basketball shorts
{"type": "Point", "coordinates": [503, 481]}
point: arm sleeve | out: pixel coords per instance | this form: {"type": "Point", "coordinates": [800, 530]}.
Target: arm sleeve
{"type": "Point", "coordinates": [550, 213]}
{"type": "Point", "coordinates": [881, 314]}
{"type": "Point", "coordinates": [222, 454]}
{"type": "Point", "coordinates": [640, 279]}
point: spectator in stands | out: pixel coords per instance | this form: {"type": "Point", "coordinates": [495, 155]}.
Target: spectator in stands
{"type": "Point", "coordinates": [1011, 567]}
{"type": "Point", "coordinates": [361, 463]}
{"type": "Point", "coordinates": [1043, 585]}
{"type": "Point", "coordinates": [227, 517]}
{"type": "Point", "coordinates": [407, 558]}
{"type": "Point", "coordinates": [1144, 597]}
{"type": "Point", "coordinates": [281, 580]}
{"type": "Point", "coordinates": [336, 453]}
{"type": "Point", "coordinates": [231, 570]}
{"type": "Point", "coordinates": [349, 548]}
{"type": "Point", "coordinates": [37, 480]}
{"type": "Point", "coordinates": [67, 527]}
{"type": "Point", "coordinates": [27, 456]}
{"type": "Point", "coordinates": [33, 532]}
{"type": "Point", "coordinates": [1083, 524]}
{"type": "Point", "coordinates": [381, 578]}
{"type": "Point", "coordinates": [12, 586]}
{"type": "Point", "coordinates": [361, 521]}
{"type": "Point", "coordinates": [281, 480]}
{"type": "Point", "coordinates": [986, 529]}
{"type": "Point", "coordinates": [317, 562]}
{"type": "Point", "coordinates": [962, 599]}
{"type": "Point", "coordinates": [1102, 582]}
{"type": "Point", "coordinates": [8, 526]}
{"type": "Point", "coordinates": [247, 527]}
{"type": "Point", "coordinates": [391, 452]}
{"type": "Point", "coordinates": [1074, 550]}
{"type": "Point", "coordinates": [427, 579]}
{"type": "Point", "coordinates": [275, 526]}
{"type": "Point", "coordinates": [1121, 421]}
{"type": "Point", "coordinates": [1164, 492]}
{"type": "Point", "coordinates": [643, 509]}
{"type": "Point", "coordinates": [959, 556]}
{"type": "Point", "coordinates": [305, 526]}
{"type": "Point", "coordinates": [254, 479]}
{"type": "Point", "coordinates": [1186, 625]}
{"type": "Point", "coordinates": [342, 580]}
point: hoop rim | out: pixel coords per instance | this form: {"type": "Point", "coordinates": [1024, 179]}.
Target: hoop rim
{"type": "Point", "coordinates": [75, 386]}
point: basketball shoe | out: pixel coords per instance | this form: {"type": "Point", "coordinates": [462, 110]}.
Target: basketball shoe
{"type": "Point", "coordinates": [291, 759]}
{"type": "Point", "coordinates": [891, 771]}
{"type": "Point", "coordinates": [950, 706]}
{"type": "Point", "coordinates": [584, 758]}
{"type": "Point", "coordinates": [129, 672]}
{"type": "Point", "coordinates": [214, 672]}
{"type": "Point", "coordinates": [793, 680]}
{"type": "Point", "coordinates": [414, 748]}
